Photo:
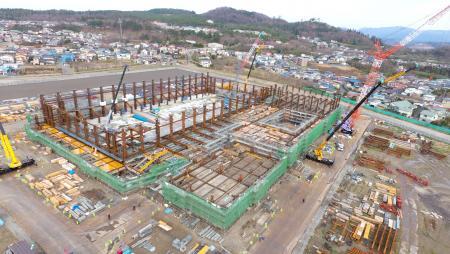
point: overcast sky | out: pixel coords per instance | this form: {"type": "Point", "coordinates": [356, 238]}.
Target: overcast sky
{"type": "Point", "coordinates": [343, 13]}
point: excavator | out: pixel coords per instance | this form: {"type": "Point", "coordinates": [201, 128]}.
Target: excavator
{"type": "Point", "coordinates": [14, 163]}
{"type": "Point", "coordinates": [317, 154]}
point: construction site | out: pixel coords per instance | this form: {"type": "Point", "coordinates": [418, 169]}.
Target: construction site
{"type": "Point", "coordinates": [215, 146]}
{"type": "Point", "coordinates": [380, 205]}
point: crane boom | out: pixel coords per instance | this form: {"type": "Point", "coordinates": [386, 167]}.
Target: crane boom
{"type": "Point", "coordinates": [349, 114]}
{"type": "Point", "coordinates": [247, 56]}
{"type": "Point", "coordinates": [318, 155]}
{"type": "Point", "coordinates": [115, 96]}
{"type": "Point", "coordinates": [7, 148]}
{"type": "Point", "coordinates": [380, 55]}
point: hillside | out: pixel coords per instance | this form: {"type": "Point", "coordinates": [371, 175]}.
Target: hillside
{"type": "Point", "coordinates": [226, 19]}
{"type": "Point", "coordinates": [281, 29]}
{"type": "Point", "coordinates": [233, 16]}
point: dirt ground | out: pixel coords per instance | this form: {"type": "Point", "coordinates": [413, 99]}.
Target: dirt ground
{"type": "Point", "coordinates": [425, 215]}
{"type": "Point", "coordinates": [6, 238]}
{"type": "Point", "coordinates": [57, 233]}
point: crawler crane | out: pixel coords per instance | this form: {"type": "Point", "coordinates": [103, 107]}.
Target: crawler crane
{"type": "Point", "coordinates": [318, 152]}
{"type": "Point", "coordinates": [14, 163]}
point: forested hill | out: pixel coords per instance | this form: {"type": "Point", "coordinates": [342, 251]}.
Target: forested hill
{"type": "Point", "coordinates": [225, 19]}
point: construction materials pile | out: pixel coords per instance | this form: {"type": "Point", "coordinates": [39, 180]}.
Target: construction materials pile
{"type": "Point", "coordinates": [427, 148]}
{"type": "Point", "coordinates": [59, 187]}
{"type": "Point", "coordinates": [62, 189]}
{"type": "Point", "coordinates": [383, 132]}
{"type": "Point", "coordinates": [371, 218]}
{"type": "Point", "coordinates": [399, 151]}
{"type": "Point", "coordinates": [376, 142]}
{"type": "Point", "coordinates": [415, 178]}
{"type": "Point", "coordinates": [266, 135]}
{"type": "Point", "coordinates": [83, 207]}
{"type": "Point", "coordinates": [369, 162]}
{"type": "Point", "coordinates": [386, 146]}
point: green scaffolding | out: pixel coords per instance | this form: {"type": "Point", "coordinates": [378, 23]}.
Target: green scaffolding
{"type": "Point", "coordinates": [169, 166]}
{"type": "Point", "coordinates": [224, 217]}
{"type": "Point", "coordinates": [400, 117]}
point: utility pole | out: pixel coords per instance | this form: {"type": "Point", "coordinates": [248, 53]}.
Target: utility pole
{"type": "Point", "coordinates": [121, 32]}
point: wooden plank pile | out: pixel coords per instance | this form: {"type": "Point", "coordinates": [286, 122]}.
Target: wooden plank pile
{"type": "Point", "coordinates": [384, 145]}
{"type": "Point", "coordinates": [427, 148]}
{"type": "Point", "coordinates": [399, 151]}
{"type": "Point", "coordinates": [383, 132]}
{"type": "Point", "coordinates": [369, 162]}
{"type": "Point", "coordinates": [266, 135]}
{"type": "Point", "coordinates": [58, 187]}
{"type": "Point", "coordinates": [355, 250]}
{"type": "Point", "coordinates": [376, 142]}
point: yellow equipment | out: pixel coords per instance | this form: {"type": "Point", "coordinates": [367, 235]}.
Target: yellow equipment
{"type": "Point", "coordinates": [318, 152]}
{"type": "Point", "coordinates": [11, 155]}
{"type": "Point", "coordinates": [199, 249]}
{"type": "Point", "coordinates": [151, 159]}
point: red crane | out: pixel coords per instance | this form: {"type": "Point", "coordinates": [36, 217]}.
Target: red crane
{"type": "Point", "coordinates": [379, 55]}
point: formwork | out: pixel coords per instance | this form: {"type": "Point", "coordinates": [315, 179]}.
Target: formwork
{"type": "Point", "coordinates": [225, 217]}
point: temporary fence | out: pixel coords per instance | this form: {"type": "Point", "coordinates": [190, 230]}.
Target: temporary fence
{"type": "Point", "coordinates": [400, 117]}
{"type": "Point", "coordinates": [119, 184]}
{"type": "Point", "coordinates": [224, 217]}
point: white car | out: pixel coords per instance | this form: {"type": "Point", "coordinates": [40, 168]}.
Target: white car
{"type": "Point", "coordinates": [339, 146]}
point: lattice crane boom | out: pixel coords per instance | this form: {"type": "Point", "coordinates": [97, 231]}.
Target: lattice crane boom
{"type": "Point", "coordinates": [380, 55]}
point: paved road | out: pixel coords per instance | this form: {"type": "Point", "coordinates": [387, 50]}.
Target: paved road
{"type": "Point", "coordinates": [410, 126]}
{"type": "Point", "coordinates": [29, 87]}
{"type": "Point", "coordinates": [290, 227]}
{"type": "Point", "coordinates": [44, 225]}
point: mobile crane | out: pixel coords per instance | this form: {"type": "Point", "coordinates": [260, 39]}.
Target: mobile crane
{"type": "Point", "coordinates": [14, 163]}
{"type": "Point", "coordinates": [318, 152]}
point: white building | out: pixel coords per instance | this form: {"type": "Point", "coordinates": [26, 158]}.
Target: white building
{"type": "Point", "coordinates": [432, 115]}
{"type": "Point", "coordinates": [204, 62]}
{"type": "Point", "coordinates": [429, 97]}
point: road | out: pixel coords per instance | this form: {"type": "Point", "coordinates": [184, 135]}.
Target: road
{"type": "Point", "coordinates": [34, 86]}
{"type": "Point", "coordinates": [42, 223]}
{"type": "Point", "coordinates": [287, 231]}
{"type": "Point", "coordinates": [406, 125]}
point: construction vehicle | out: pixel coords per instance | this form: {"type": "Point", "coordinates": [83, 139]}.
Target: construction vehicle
{"type": "Point", "coordinates": [380, 55]}
{"type": "Point", "coordinates": [318, 152]}
{"type": "Point", "coordinates": [14, 163]}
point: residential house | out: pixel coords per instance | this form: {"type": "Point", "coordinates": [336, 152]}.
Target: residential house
{"type": "Point", "coordinates": [432, 115]}
{"type": "Point", "coordinates": [404, 108]}
{"type": "Point", "coordinates": [429, 97]}
{"type": "Point", "coordinates": [205, 62]}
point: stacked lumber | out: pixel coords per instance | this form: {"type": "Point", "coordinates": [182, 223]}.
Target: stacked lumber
{"type": "Point", "coordinates": [376, 142]}
{"type": "Point", "coordinates": [266, 135]}
{"type": "Point", "coordinates": [383, 132]}
{"type": "Point", "coordinates": [427, 148]}
{"type": "Point", "coordinates": [58, 187]}
{"type": "Point", "coordinates": [355, 250]}
{"type": "Point", "coordinates": [399, 151]}
{"type": "Point", "coordinates": [369, 162]}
